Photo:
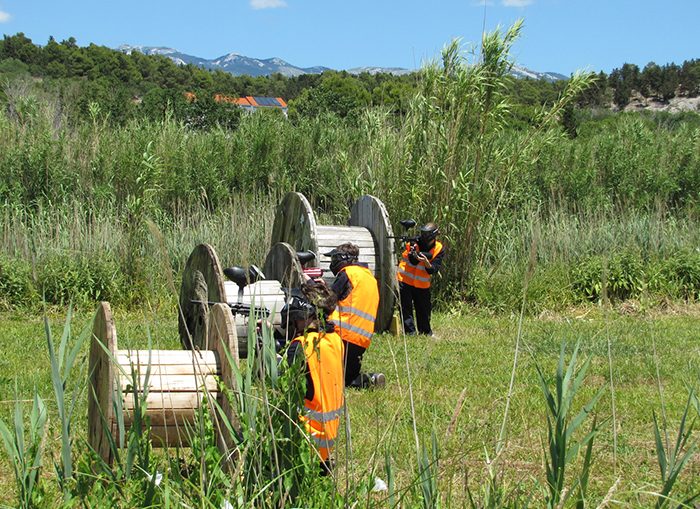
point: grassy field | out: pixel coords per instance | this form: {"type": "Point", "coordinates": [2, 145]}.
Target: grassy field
{"type": "Point", "coordinates": [457, 387]}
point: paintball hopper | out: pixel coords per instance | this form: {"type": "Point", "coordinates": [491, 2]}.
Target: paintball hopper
{"type": "Point", "coordinates": [408, 223]}
{"type": "Point", "coordinates": [306, 256]}
{"type": "Point", "coordinates": [243, 277]}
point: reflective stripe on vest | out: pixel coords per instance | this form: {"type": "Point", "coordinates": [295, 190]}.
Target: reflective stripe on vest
{"type": "Point", "coordinates": [324, 357]}
{"type": "Point", "coordinates": [355, 314]}
{"type": "Point", "coordinates": [326, 443]}
{"type": "Point", "coordinates": [323, 416]}
{"type": "Point", "coordinates": [416, 275]}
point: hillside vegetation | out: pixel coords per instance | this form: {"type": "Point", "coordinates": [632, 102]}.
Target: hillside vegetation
{"type": "Point", "coordinates": [109, 176]}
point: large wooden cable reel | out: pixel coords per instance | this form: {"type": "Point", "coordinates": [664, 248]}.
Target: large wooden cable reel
{"type": "Point", "coordinates": [368, 228]}
{"type": "Point", "coordinates": [203, 280]}
{"type": "Point", "coordinates": [178, 383]}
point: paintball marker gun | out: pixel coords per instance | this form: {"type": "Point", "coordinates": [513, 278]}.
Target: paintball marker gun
{"type": "Point", "coordinates": [242, 278]}
{"type": "Point", "coordinates": [413, 250]}
{"type": "Point", "coordinates": [304, 258]}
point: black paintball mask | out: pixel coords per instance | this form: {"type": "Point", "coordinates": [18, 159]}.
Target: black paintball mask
{"type": "Point", "coordinates": [297, 308]}
{"type": "Point", "coordinates": [339, 259]}
{"type": "Point", "coordinates": [428, 236]}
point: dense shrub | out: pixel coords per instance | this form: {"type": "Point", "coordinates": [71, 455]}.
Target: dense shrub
{"type": "Point", "coordinates": [677, 275]}
{"type": "Point", "coordinates": [82, 278]}
{"type": "Point", "coordinates": [16, 284]}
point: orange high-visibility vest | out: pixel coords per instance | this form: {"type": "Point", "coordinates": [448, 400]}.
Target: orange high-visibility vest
{"type": "Point", "coordinates": [354, 316]}
{"type": "Point", "coordinates": [416, 275]}
{"type": "Point", "coordinates": [324, 357]}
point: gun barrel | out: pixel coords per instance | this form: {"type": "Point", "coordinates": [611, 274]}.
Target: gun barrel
{"type": "Point", "coordinates": [237, 308]}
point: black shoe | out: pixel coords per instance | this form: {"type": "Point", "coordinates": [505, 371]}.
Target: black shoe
{"type": "Point", "coordinates": [326, 467]}
{"type": "Point", "coordinates": [363, 381]}
{"type": "Point", "coordinates": [378, 380]}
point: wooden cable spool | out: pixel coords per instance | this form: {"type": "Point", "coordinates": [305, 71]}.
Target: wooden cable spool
{"type": "Point", "coordinates": [203, 281]}
{"type": "Point", "coordinates": [178, 382]}
{"type": "Point", "coordinates": [368, 228]}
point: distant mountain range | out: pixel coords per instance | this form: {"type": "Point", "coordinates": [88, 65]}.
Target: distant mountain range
{"type": "Point", "coordinates": [238, 65]}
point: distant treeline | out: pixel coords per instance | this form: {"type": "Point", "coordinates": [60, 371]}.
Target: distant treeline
{"type": "Point", "coordinates": [137, 85]}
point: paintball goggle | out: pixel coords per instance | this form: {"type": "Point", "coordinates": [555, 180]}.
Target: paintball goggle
{"type": "Point", "coordinates": [428, 234]}
{"type": "Point", "coordinates": [297, 308]}
{"type": "Point", "coordinates": [339, 259]}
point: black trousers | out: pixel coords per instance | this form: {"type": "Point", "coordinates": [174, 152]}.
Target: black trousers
{"type": "Point", "coordinates": [353, 362]}
{"type": "Point", "coordinates": [420, 299]}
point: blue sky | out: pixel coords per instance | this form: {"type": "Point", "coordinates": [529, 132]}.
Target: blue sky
{"type": "Point", "coordinates": [559, 35]}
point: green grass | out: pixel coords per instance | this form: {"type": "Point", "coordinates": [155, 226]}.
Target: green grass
{"type": "Point", "coordinates": [460, 383]}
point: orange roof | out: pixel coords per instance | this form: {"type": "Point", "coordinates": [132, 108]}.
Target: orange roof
{"type": "Point", "coordinates": [221, 97]}
{"type": "Point", "coordinates": [245, 101]}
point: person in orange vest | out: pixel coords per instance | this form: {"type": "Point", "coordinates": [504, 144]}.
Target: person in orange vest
{"type": "Point", "coordinates": [356, 312]}
{"type": "Point", "coordinates": [419, 261]}
{"type": "Point", "coordinates": [316, 344]}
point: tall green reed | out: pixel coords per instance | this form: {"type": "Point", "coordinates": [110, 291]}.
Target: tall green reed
{"type": "Point", "coordinates": [61, 365]}
{"type": "Point", "coordinates": [457, 166]}
{"type": "Point", "coordinates": [26, 454]}
{"type": "Point", "coordinates": [562, 447]}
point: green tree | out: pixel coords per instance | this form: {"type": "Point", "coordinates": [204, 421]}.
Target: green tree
{"type": "Point", "coordinates": [669, 81]}
{"type": "Point", "coordinates": [622, 91]}
{"type": "Point", "coordinates": [690, 77]}
{"type": "Point", "coordinates": [650, 80]}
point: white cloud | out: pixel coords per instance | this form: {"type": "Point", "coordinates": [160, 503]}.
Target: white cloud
{"type": "Point", "coordinates": [481, 3]}
{"type": "Point", "coordinates": [517, 3]}
{"type": "Point", "coordinates": [267, 4]}
{"type": "Point", "coordinates": [4, 17]}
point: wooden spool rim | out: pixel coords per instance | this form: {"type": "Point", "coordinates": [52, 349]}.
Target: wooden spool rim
{"type": "Point", "coordinates": [282, 264]}
{"type": "Point", "coordinates": [295, 223]}
{"type": "Point", "coordinates": [204, 260]}
{"type": "Point", "coordinates": [103, 347]}
{"type": "Point", "coordinates": [369, 212]}
{"type": "Point", "coordinates": [222, 339]}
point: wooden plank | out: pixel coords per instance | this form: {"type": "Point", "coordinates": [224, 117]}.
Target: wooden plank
{"type": "Point", "coordinates": [188, 382]}
{"type": "Point", "coordinates": [166, 370]}
{"type": "Point", "coordinates": [170, 436]}
{"type": "Point", "coordinates": [265, 293]}
{"type": "Point", "coordinates": [173, 401]}
{"type": "Point", "coordinates": [161, 358]}
{"type": "Point", "coordinates": [165, 417]}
